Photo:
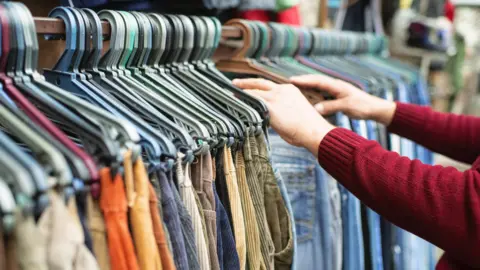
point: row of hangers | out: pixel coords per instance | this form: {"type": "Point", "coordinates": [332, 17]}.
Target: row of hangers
{"type": "Point", "coordinates": [154, 91]}
{"type": "Point", "coordinates": [269, 49]}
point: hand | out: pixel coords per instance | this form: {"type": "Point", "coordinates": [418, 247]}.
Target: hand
{"type": "Point", "coordinates": [350, 100]}
{"type": "Point", "coordinates": [291, 115]}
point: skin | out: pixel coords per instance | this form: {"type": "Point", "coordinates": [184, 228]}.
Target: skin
{"type": "Point", "coordinates": [301, 124]}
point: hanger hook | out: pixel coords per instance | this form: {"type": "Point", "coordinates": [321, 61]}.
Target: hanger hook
{"type": "Point", "coordinates": [64, 14]}
{"type": "Point", "coordinates": [159, 39]}
{"type": "Point", "coordinates": [17, 43]}
{"type": "Point", "coordinates": [117, 38]}
{"type": "Point", "coordinates": [97, 37]}
{"type": "Point", "coordinates": [4, 21]}
{"type": "Point", "coordinates": [131, 41]}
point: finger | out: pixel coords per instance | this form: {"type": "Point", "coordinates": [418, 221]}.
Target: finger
{"type": "Point", "coordinates": [329, 106]}
{"type": "Point", "coordinates": [263, 95]}
{"type": "Point", "coordinates": [260, 84]}
{"type": "Point", "coordinates": [322, 82]}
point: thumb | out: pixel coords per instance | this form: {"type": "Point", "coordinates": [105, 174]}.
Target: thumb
{"type": "Point", "coordinates": [329, 106]}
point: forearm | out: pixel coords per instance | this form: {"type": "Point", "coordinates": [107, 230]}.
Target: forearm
{"type": "Point", "coordinates": [438, 204]}
{"type": "Point", "coordinates": [455, 136]}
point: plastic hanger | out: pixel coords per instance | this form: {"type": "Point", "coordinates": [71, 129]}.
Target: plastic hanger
{"type": "Point", "coordinates": [109, 78]}
{"type": "Point", "coordinates": [204, 65]}
{"type": "Point", "coordinates": [25, 187]}
{"type": "Point", "coordinates": [152, 142]}
{"type": "Point", "coordinates": [156, 144]}
{"type": "Point", "coordinates": [116, 131]}
{"type": "Point", "coordinates": [47, 101]}
{"type": "Point", "coordinates": [55, 162]}
{"type": "Point", "coordinates": [162, 91]}
{"type": "Point", "coordinates": [123, 51]}
{"type": "Point", "coordinates": [33, 113]}
{"type": "Point", "coordinates": [206, 70]}
{"type": "Point", "coordinates": [78, 166]}
{"type": "Point", "coordinates": [223, 100]}
{"type": "Point", "coordinates": [199, 86]}
{"type": "Point", "coordinates": [240, 64]}
{"type": "Point", "coordinates": [52, 160]}
{"type": "Point", "coordinates": [105, 76]}
{"type": "Point", "coordinates": [30, 188]}
{"type": "Point", "coordinates": [166, 90]}
{"type": "Point", "coordinates": [180, 74]}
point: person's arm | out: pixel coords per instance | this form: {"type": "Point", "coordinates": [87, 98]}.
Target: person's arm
{"type": "Point", "coordinates": [455, 136]}
{"type": "Point", "coordinates": [441, 205]}
{"type": "Point", "coordinates": [452, 135]}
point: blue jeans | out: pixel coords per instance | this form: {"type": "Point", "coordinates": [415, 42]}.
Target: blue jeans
{"type": "Point", "coordinates": [286, 198]}
{"type": "Point", "coordinates": [308, 192]}
{"type": "Point", "coordinates": [353, 247]}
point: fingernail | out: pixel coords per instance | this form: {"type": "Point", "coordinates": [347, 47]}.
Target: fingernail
{"type": "Point", "coordinates": [319, 107]}
{"type": "Point", "coordinates": [235, 80]}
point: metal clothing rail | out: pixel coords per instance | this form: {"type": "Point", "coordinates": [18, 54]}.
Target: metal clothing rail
{"type": "Point", "coordinates": [53, 26]}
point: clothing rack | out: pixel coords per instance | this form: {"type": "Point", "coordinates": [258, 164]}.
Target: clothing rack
{"type": "Point", "coordinates": [45, 25]}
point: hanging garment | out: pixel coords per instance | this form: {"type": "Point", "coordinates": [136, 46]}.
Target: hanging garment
{"type": "Point", "coordinates": [159, 232]}
{"type": "Point", "coordinates": [140, 218]}
{"type": "Point", "coordinates": [113, 203]}
{"type": "Point", "coordinates": [96, 226]}
{"type": "Point", "coordinates": [188, 230]}
{"type": "Point", "coordinates": [172, 219]}
{"type": "Point", "coordinates": [252, 233]}
{"type": "Point", "coordinates": [277, 214]}
{"type": "Point", "coordinates": [306, 189]}
{"type": "Point", "coordinates": [221, 183]}
{"type": "Point", "coordinates": [31, 244]}
{"type": "Point", "coordinates": [188, 198]}
{"type": "Point", "coordinates": [256, 191]}
{"type": "Point", "coordinates": [288, 205]}
{"type": "Point", "coordinates": [64, 240]}
{"type": "Point", "coordinates": [202, 179]}
{"type": "Point", "coordinates": [236, 207]}
{"type": "Point", "coordinates": [81, 200]}
{"type": "Point", "coordinates": [226, 250]}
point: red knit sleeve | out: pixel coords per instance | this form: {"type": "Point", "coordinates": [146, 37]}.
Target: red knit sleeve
{"type": "Point", "coordinates": [456, 136]}
{"type": "Point", "coordinates": [439, 204]}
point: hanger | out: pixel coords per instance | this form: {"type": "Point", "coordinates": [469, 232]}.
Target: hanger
{"type": "Point", "coordinates": [198, 85]}
{"type": "Point", "coordinates": [203, 64]}
{"type": "Point", "coordinates": [60, 137]}
{"type": "Point", "coordinates": [240, 64]}
{"type": "Point", "coordinates": [205, 69]}
{"type": "Point", "coordinates": [109, 78]}
{"type": "Point", "coordinates": [174, 93]}
{"type": "Point", "coordinates": [52, 159]}
{"type": "Point", "coordinates": [116, 131]}
{"type": "Point", "coordinates": [156, 145]}
{"type": "Point", "coordinates": [152, 142]}
{"type": "Point", "coordinates": [187, 83]}
{"type": "Point", "coordinates": [164, 90]}
{"type": "Point", "coordinates": [30, 189]}
{"type": "Point", "coordinates": [123, 51]}
{"type": "Point", "coordinates": [33, 113]}
{"type": "Point", "coordinates": [210, 90]}
{"type": "Point", "coordinates": [77, 165]}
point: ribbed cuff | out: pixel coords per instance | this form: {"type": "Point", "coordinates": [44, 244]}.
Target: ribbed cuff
{"type": "Point", "coordinates": [337, 150]}
{"type": "Point", "coordinates": [407, 118]}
